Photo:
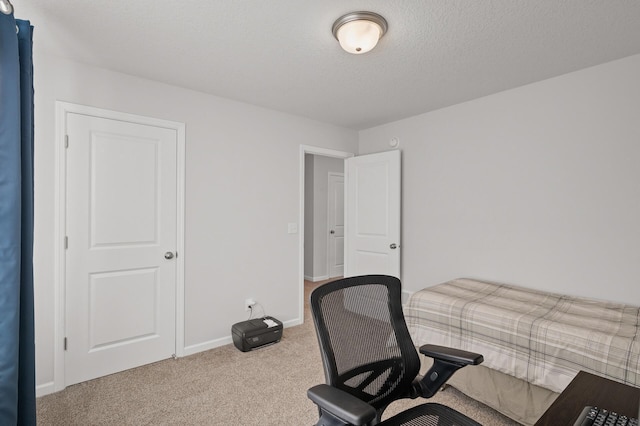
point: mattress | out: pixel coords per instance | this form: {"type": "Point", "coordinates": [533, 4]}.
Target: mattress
{"type": "Point", "coordinates": [540, 337]}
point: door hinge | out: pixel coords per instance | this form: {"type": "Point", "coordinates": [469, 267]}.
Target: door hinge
{"type": "Point", "coordinates": [66, 141]}
{"type": "Point", "coordinates": [65, 343]}
{"type": "Point", "coordinates": [66, 242]}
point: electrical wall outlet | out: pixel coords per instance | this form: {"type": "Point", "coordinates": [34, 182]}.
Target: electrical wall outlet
{"type": "Point", "coordinates": [248, 304]}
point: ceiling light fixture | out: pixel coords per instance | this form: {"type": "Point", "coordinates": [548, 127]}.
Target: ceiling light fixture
{"type": "Point", "coordinates": [6, 7]}
{"type": "Point", "coordinates": [359, 32]}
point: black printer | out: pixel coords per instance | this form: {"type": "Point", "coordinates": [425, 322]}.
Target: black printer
{"type": "Point", "coordinates": [255, 333]}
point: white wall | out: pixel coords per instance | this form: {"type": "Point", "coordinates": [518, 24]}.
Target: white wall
{"type": "Point", "coordinates": [242, 189]}
{"type": "Point", "coordinates": [537, 186]}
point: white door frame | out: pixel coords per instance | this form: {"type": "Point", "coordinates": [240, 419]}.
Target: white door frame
{"type": "Point", "coordinates": [62, 110]}
{"type": "Point", "coordinates": [313, 150]}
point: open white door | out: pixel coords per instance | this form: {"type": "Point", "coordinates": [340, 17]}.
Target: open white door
{"type": "Point", "coordinates": [372, 229]}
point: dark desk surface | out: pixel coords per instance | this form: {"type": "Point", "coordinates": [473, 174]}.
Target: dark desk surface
{"type": "Point", "coordinates": [589, 389]}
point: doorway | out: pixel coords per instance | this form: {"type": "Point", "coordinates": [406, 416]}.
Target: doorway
{"type": "Point", "coordinates": [315, 166]}
{"type": "Point", "coordinates": [372, 188]}
{"type": "Point", "coordinates": [322, 177]}
{"type": "Point", "coordinates": [120, 225]}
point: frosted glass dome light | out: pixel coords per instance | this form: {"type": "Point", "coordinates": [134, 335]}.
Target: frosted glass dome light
{"type": "Point", "coordinates": [359, 32]}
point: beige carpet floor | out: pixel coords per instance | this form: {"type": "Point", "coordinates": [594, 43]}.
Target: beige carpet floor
{"type": "Point", "coordinates": [222, 386]}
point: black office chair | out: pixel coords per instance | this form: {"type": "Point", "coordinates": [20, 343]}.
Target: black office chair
{"type": "Point", "coordinates": [370, 361]}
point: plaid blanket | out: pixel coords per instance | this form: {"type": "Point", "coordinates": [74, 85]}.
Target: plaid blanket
{"type": "Point", "coordinates": [540, 337]}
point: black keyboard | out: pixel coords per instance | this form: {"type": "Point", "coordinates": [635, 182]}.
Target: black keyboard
{"type": "Point", "coordinates": [594, 416]}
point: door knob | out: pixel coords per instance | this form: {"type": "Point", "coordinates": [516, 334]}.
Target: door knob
{"type": "Point", "coordinates": [332, 232]}
{"type": "Point", "coordinates": [168, 255]}
{"type": "Point", "coordinates": [393, 246]}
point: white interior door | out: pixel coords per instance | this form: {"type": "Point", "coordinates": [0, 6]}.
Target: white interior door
{"type": "Point", "coordinates": [335, 219]}
{"type": "Point", "coordinates": [372, 234]}
{"type": "Point", "coordinates": [120, 261]}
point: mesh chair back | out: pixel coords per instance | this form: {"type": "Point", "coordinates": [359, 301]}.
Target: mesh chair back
{"type": "Point", "coordinates": [365, 344]}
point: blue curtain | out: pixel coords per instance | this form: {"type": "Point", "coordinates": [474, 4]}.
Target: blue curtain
{"type": "Point", "coordinates": [17, 347]}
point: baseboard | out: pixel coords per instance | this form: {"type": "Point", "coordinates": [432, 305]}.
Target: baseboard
{"type": "Point", "coordinates": [212, 344]}
{"type": "Point", "coordinates": [205, 346]}
{"type": "Point", "coordinates": [318, 278]}
{"type": "Point", "coordinates": [292, 323]}
{"type": "Point", "coordinates": [45, 389]}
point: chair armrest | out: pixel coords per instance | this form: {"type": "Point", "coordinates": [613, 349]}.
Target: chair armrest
{"type": "Point", "coordinates": [457, 356]}
{"type": "Point", "coordinates": [446, 361]}
{"type": "Point", "coordinates": [342, 405]}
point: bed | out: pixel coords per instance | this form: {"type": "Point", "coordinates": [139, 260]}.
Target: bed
{"type": "Point", "coordinates": [533, 342]}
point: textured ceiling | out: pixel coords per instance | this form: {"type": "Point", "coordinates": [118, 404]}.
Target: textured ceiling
{"type": "Point", "coordinates": [281, 54]}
